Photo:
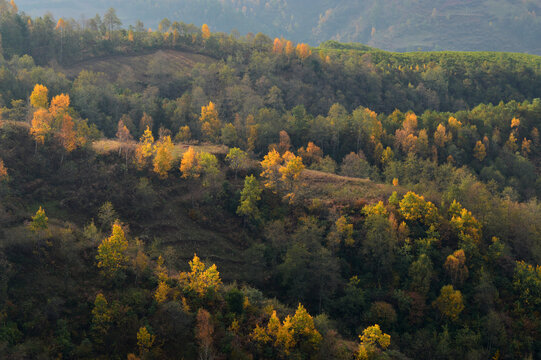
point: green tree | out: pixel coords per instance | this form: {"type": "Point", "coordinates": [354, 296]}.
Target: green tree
{"type": "Point", "coordinates": [208, 167]}
{"type": "Point", "coordinates": [249, 196]}
{"type": "Point", "coordinates": [238, 160]}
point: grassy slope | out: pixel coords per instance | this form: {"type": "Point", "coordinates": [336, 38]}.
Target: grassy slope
{"type": "Point", "coordinates": [138, 64]}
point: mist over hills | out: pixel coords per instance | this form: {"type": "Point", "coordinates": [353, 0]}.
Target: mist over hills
{"type": "Point", "coordinates": [469, 25]}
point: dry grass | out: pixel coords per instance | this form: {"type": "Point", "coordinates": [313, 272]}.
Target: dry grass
{"type": "Point", "coordinates": [172, 61]}
{"type": "Point", "coordinates": [331, 188]}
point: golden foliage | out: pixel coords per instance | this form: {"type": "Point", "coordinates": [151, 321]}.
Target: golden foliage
{"type": "Point", "coordinates": [456, 268]}
{"type": "Point", "coordinates": [59, 105]}
{"type": "Point", "coordinates": [414, 207]}
{"type": "Point", "coordinates": [450, 302]}
{"type": "Point", "coordinates": [188, 164]}
{"type": "Point", "coordinates": [144, 148]}
{"type": "Point", "coordinates": [144, 340]}
{"type": "Point", "coordinates": [210, 123]}
{"type": "Point", "coordinates": [40, 221]}
{"type": "Point", "coordinates": [112, 251]}
{"type": "Point", "coordinates": [271, 165]}
{"type": "Point", "coordinates": [39, 97]}
{"type": "Point", "coordinates": [200, 279]}
{"type": "Point", "coordinates": [161, 292]}
{"type": "Point", "coordinates": [67, 134]}
{"type": "Point", "coordinates": [278, 46]}
{"type": "Point", "coordinates": [205, 31]}
{"type": "Point", "coordinates": [303, 51]}
{"type": "Point", "coordinates": [373, 341]}
{"type": "Point", "coordinates": [163, 160]}
{"type": "Point", "coordinates": [41, 125]}
{"type": "Point", "coordinates": [479, 151]}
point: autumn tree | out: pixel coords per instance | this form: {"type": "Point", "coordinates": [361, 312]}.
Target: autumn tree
{"type": "Point", "coordinates": [112, 256]}
{"type": "Point", "coordinates": [200, 279]}
{"type": "Point", "coordinates": [249, 196]}
{"type": "Point", "coordinates": [163, 160]}
{"type": "Point", "coordinates": [303, 51]}
{"type": "Point", "coordinates": [479, 151]}
{"type": "Point", "coordinates": [41, 125]}
{"type": "Point", "coordinates": [184, 134]}
{"type": "Point", "coordinates": [342, 233]}
{"type": "Point", "coordinates": [291, 170]}
{"type": "Point", "coordinates": [455, 266]}
{"type": "Point", "coordinates": [203, 333]}
{"type": "Point", "coordinates": [297, 331]}
{"type": "Point", "coordinates": [237, 160]}
{"type": "Point", "coordinates": [285, 142]}
{"type": "Point", "coordinates": [414, 207]}
{"type": "Point", "coordinates": [312, 153]}
{"type": "Point", "coordinates": [278, 46]}
{"type": "Point", "coordinates": [271, 165]}
{"type": "Point", "coordinates": [205, 32]}
{"type": "Point", "coordinates": [373, 342]}
{"type": "Point", "coordinates": [188, 165]}
{"type": "Point", "coordinates": [145, 340]}
{"type": "Point", "coordinates": [161, 292]}
{"type": "Point", "coordinates": [450, 302]}
{"type": "Point", "coordinates": [441, 137]}
{"type": "Point", "coordinates": [59, 105]}
{"type": "Point", "coordinates": [144, 148]}
{"type": "Point", "coordinates": [210, 123]}
{"type": "Point", "coordinates": [289, 49]}
{"type": "Point", "coordinates": [39, 97]}
{"type": "Point", "coordinates": [3, 171]}
{"type": "Point", "coordinates": [101, 317]}
{"type": "Point", "coordinates": [40, 221]}
{"type": "Point", "coordinates": [67, 134]}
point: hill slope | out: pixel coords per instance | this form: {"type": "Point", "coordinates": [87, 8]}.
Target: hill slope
{"type": "Point", "coordinates": [492, 25]}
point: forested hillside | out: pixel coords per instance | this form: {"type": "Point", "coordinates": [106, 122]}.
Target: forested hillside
{"type": "Point", "coordinates": [407, 25]}
{"type": "Point", "coordinates": [189, 194]}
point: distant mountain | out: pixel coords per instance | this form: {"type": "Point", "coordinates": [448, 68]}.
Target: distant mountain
{"type": "Point", "coordinates": [405, 25]}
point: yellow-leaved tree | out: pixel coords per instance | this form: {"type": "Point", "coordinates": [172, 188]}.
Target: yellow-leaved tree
{"type": "Point", "coordinates": [297, 331]}
{"type": "Point", "coordinates": [373, 342]}
{"type": "Point", "coordinates": [163, 160]}
{"type": "Point", "coordinates": [188, 164]}
{"type": "Point", "coordinates": [41, 125]}
{"type": "Point", "coordinates": [112, 256]}
{"type": "Point", "coordinates": [200, 279]}
{"type": "Point", "coordinates": [144, 148]}
{"type": "Point", "coordinates": [450, 302]}
{"type": "Point", "coordinates": [205, 31]}
{"type": "Point", "coordinates": [271, 169]}
{"type": "Point", "coordinates": [210, 122]}
{"type": "Point", "coordinates": [39, 97]}
{"type": "Point", "coordinates": [414, 207]}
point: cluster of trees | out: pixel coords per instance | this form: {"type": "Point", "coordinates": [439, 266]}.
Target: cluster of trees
{"type": "Point", "coordinates": [446, 264]}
